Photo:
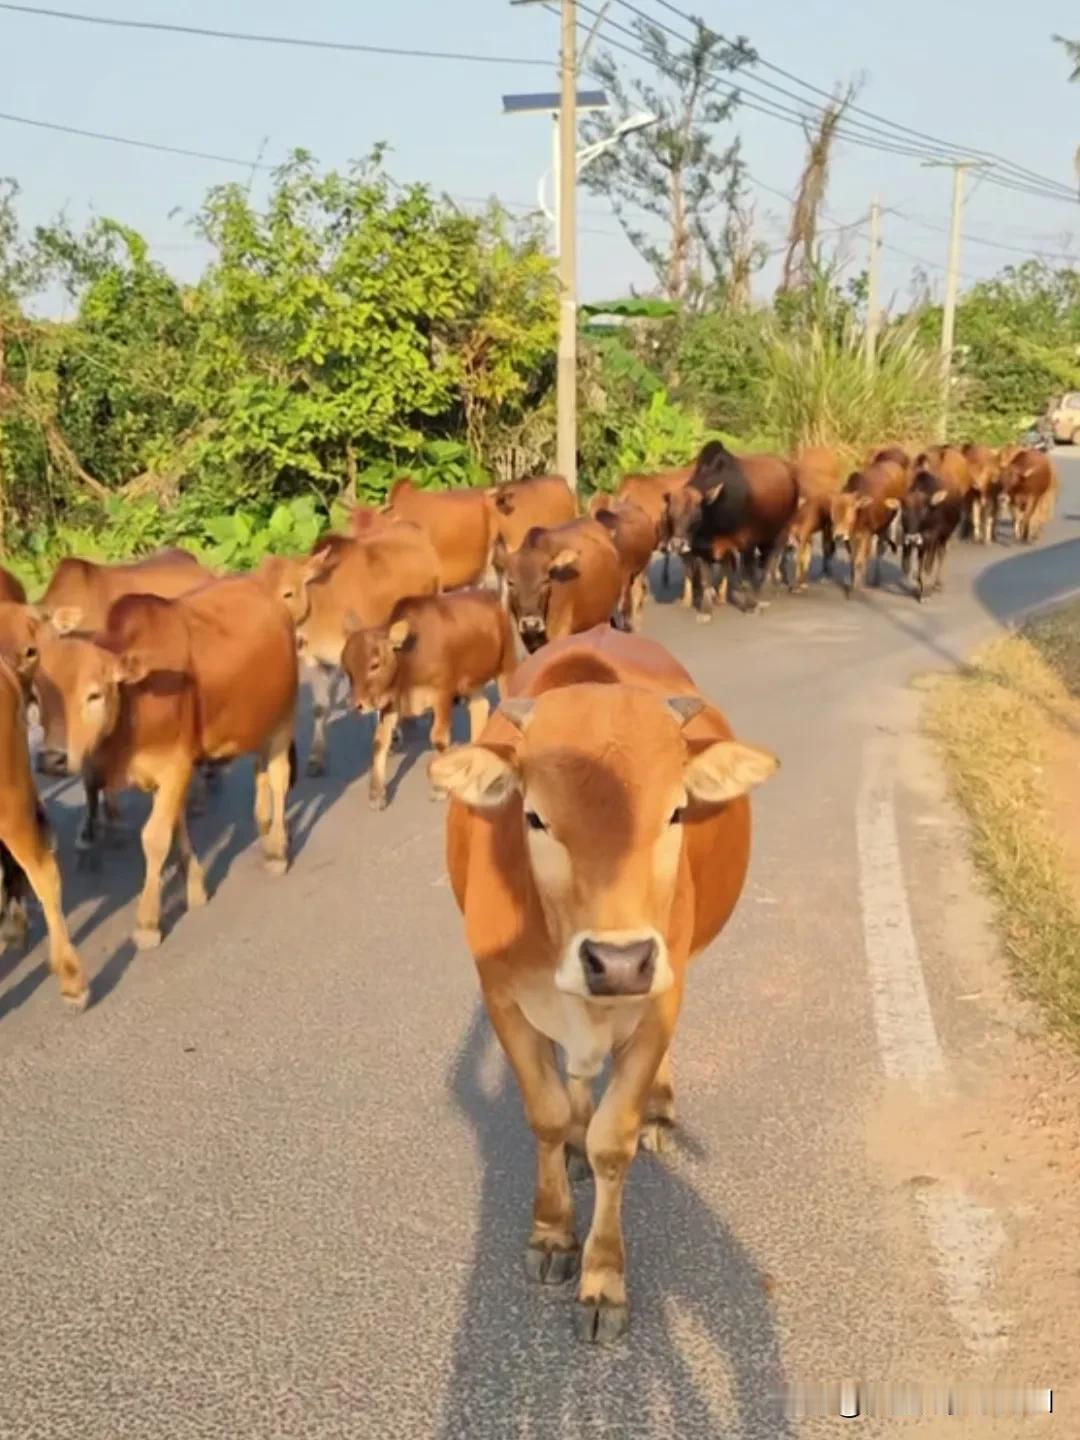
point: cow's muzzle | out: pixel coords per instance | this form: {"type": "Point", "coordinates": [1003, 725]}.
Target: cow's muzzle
{"type": "Point", "coordinates": [52, 762]}
{"type": "Point", "coordinates": [625, 969]}
{"type": "Point", "coordinates": [533, 632]}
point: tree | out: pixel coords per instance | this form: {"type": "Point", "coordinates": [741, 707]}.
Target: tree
{"type": "Point", "coordinates": [1072, 49]}
{"type": "Point", "coordinates": [800, 259]}
{"type": "Point", "coordinates": [673, 170]}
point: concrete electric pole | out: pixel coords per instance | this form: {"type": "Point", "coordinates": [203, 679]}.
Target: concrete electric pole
{"type": "Point", "coordinates": [952, 281]}
{"type": "Point", "coordinates": [873, 314]}
{"type": "Point", "coordinates": [566, 382]}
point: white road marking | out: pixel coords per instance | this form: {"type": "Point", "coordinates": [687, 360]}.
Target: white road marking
{"type": "Point", "coordinates": [907, 1035]}
{"type": "Point", "coordinates": [964, 1236]}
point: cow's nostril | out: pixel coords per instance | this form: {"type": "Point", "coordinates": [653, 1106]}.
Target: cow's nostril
{"type": "Point", "coordinates": [618, 969]}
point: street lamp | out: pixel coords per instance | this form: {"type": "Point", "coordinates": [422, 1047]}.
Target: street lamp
{"type": "Point", "coordinates": [585, 157]}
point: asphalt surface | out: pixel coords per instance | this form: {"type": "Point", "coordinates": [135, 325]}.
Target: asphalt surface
{"type": "Point", "coordinates": [276, 1181]}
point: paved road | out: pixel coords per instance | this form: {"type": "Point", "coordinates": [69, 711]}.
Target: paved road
{"type": "Point", "coordinates": [276, 1181]}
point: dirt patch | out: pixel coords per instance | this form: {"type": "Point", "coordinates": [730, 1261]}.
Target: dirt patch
{"type": "Point", "coordinates": [1009, 728]}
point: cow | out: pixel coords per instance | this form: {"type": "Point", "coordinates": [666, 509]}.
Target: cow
{"type": "Point", "coordinates": [1030, 485]}
{"type": "Point", "coordinates": [25, 850]}
{"type": "Point", "coordinates": [731, 507]}
{"type": "Point", "coordinates": [651, 492]}
{"type": "Point", "coordinates": [168, 683]}
{"type": "Point", "coordinates": [929, 515]}
{"type": "Point", "coordinates": [459, 523]}
{"type": "Point", "coordinates": [598, 837]}
{"type": "Point", "coordinates": [86, 590]}
{"type": "Point", "coordinates": [563, 580]}
{"type": "Point", "coordinates": [818, 477]}
{"type": "Point", "coordinates": [948, 464]}
{"type": "Point", "coordinates": [865, 512]}
{"type": "Point", "coordinates": [519, 505]}
{"type": "Point", "coordinates": [434, 649]}
{"type": "Point", "coordinates": [984, 491]}
{"type": "Point", "coordinates": [11, 588]}
{"type": "Point", "coordinates": [364, 576]}
{"type": "Point", "coordinates": [635, 538]}
{"type": "Point", "coordinates": [893, 455]}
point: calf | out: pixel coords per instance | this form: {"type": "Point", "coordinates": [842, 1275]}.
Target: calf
{"type": "Point", "coordinates": [459, 523]}
{"type": "Point", "coordinates": [362, 577]}
{"type": "Point", "coordinates": [817, 475]}
{"type": "Point", "coordinates": [731, 507]}
{"type": "Point", "coordinates": [25, 851]}
{"type": "Point", "coordinates": [563, 580]}
{"type": "Point", "coordinates": [981, 505]}
{"type": "Point", "coordinates": [651, 492]}
{"type": "Point", "coordinates": [169, 683]}
{"type": "Point", "coordinates": [1029, 484]}
{"type": "Point", "coordinates": [864, 513]}
{"type": "Point", "coordinates": [435, 649]}
{"type": "Point", "coordinates": [635, 537]}
{"type": "Point", "coordinates": [597, 839]}
{"type": "Point", "coordinates": [519, 505]}
{"type": "Point", "coordinates": [929, 516]}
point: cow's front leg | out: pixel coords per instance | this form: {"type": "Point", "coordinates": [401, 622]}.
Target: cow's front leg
{"type": "Point", "coordinates": [319, 678]}
{"type": "Point", "coordinates": [581, 1113]}
{"type": "Point", "coordinates": [552, 1253]}
{"type": "Point", "coordinates": [384, 734]}
{"type": "Point", "coordinates": [602, 1312]}
{"type": "Point", "coordinates": [704, 594]}
{"type": "Point", "coordinates": [157, 835]}
{"type": "Point", "coordinates": [659, 1108]}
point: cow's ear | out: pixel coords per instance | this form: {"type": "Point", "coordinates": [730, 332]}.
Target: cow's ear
{"type": "Point", "coordinates": [131, 668]}
{"type": "Point", "coordinates": [714, 493]}
{"type": "Point", "coordinates": [938, 497]}
{"type": "Point", "coordinates": [727, 769]}
{"type": "Point", "coordinates": [317, 564]}
{"type": "Point", "coordinates": [481, 776]}
{"type": "Point", "coordinates": [499, 553]}
{"type": "Point", "coordinates": [565, 566]}
{"type": "Point", "coordinates": [64, 619]}
{"type": "Point", "coordinates": [892, 503]}
{"type": "Point", "coordinates": [398, 634]}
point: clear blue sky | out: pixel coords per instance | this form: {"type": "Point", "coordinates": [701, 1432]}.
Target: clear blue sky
{"type": "Point", "coordinates": [980, 72]}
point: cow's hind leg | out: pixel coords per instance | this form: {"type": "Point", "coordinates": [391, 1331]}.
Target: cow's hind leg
{"type": "Point", "coordinates": [157, 836]}
{"type": "Point", "coordinates": [552, 1253]}
{"type": "Point", "coordinates": [612, 1141]}
{"type": "Point", "coordinates": [659, 1108]}
{"type": "Point", "coordinates": [581, 1112]}
{"type": "Point", "coordinates": [273, 775]}
{"type": "Point", "coordinates": [14, 923]}
{"type": "Point", "coordinates": [194, 880]}
{"type": "Point", "coordinates": [320, 678]}
{"type": "Point", "coordinates": [30, 849]}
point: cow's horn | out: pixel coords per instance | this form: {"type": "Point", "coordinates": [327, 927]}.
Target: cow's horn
{"type": "Point", "coordinates": [685, 707]}
{"type": "Point", "coordinates": [517, 711]}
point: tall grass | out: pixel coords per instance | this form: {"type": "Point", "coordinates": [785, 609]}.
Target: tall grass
{"type": "Point", "coordinates": [818, 390]}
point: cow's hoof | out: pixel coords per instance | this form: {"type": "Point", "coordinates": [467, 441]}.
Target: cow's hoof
{"type": "Point", "coordinates": [146, 937]}
{"type": "Point", "coordinates": [196, 896]}
{"type": "Point", "coordinates": [276, 865]}
{"type": "Point", "coordinates": [14, 930]}
{"type": "Point", "coordinates": [547, 1266]}
{"type": "Point", "coordinates": [578, 1168]}
{"type": "Point", "coordinates": [599, 1322]}
{"type": "Point", "coordinates": [316, 766]}
{"type": "Point", "coordinates": [76, 1004]}
{"type": "Point", "coordinates": [656, 1136]}
{"type": "Point", "coordinates": [377, 802]}
{"type": "Point", "coordinates": [436, 795]}
{"type": "Point", "coordinates": [703, 618]}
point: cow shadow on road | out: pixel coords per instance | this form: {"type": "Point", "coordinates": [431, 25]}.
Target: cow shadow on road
{"type": "Point", "coordinates": [702, 1357]}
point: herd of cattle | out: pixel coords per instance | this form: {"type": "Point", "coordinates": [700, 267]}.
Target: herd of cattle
{"type": "Point", "coordinates": [598, 831]}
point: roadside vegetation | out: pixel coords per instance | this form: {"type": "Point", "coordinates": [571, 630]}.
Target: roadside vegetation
{"type": "Point", "coordinates": [1009, 727]}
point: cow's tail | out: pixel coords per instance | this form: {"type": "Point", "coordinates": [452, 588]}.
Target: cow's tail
{"type": "Point", "coordinates": [294, 764]}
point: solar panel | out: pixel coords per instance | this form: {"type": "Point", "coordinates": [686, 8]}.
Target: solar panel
{"type": "Point", "coordinates": [552, 100]}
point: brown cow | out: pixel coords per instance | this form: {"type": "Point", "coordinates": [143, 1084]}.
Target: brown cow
{"type": "Point", "coordinates": [864, 513]}
{"type": "Point", "coordinates": [11, 588]}
{"type": "Point", "coordinates": [364, 578]}
{"type": "Point", "coordinates": [209, 676]}
{"type": "Point", "coordinates": [519, 505]}
{"type": "Point", "coordinates": [598, 838]}
{"type": "Point", "coordinates": [818, 477]}
{"type": "Point", "coordinates": [651, 492]}
{"type": "Point", "coordinates": [981, 501]}
{"type": "Point", "coordinates": [635, 537]}
{"type": "Point", "coordinates": [459, 523]}
{"type": "Point", "coordinates": [1030, 485]}
{"type": "Point", "coordinates": [948, 464]}
{"type": "Point", "coordinates": [733, 507]}
{"type": "Point", "coordinates": [435, 649]}
{"type": "Point", "coordinates": [563, 580]}
{"type": "Point", "coordinates": [25, 852]}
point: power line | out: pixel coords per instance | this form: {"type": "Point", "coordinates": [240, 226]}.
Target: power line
{"type": "Point", "coordinates": [1028, 250]}
{"type": "Point", "coordinates": [137, 144]}
{"type": "Point", "coordinates": [1020, 170]}
{"type": "Point", "coordinates": [293, 40]}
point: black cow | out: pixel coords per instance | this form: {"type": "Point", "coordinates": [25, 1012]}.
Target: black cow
{"type": "Point", "coordinates": [929, 516]}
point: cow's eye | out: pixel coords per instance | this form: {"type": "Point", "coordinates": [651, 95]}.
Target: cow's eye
{"type": "Point", "coordinates": [532, 819]}
{"type": "Point", "coordinates": [93, 697]}
{"type": "Point", "coordinates": [677, 816]}
{"type": "Point", "coordinates": [288, 594]}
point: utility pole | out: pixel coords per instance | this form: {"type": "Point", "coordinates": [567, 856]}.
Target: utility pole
{"type": "Point", "coordinates": [566, 381]}
{"type": "Point", "coordinates": [952, 280]}
{"type": "Point", "coordinates": [873, 314]}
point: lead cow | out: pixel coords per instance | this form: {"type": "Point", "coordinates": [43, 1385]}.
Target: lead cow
{"type": "Point", "coordinates": [597, 839]}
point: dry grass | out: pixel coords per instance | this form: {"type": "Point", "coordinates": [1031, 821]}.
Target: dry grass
{"type": "Point", "coordinates": [1005, 725]}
